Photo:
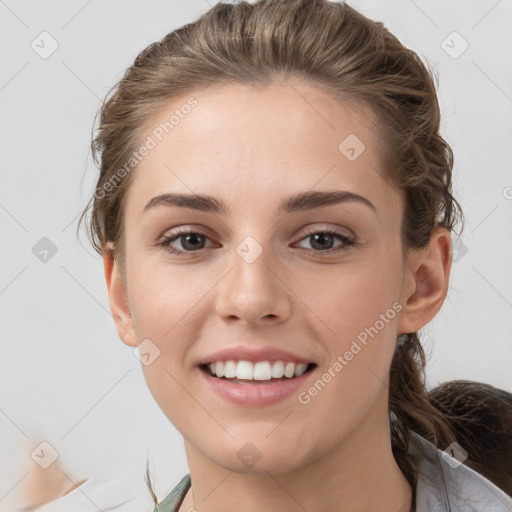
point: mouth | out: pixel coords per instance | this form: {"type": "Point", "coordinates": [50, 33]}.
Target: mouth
{"type": "Point", "coordinates": [260, 372]}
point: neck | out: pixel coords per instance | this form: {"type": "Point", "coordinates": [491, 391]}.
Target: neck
{"type": "Point", "coordinates": [359, 474]}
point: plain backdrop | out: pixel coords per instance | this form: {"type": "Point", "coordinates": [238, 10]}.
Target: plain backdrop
{"type": "Point", "coordinates": [65, 375]}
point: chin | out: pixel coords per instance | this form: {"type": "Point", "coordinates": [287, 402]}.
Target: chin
{"type": "Point", "coordinates": [259, 456]}
{"type": "Point", "coordinates": [264, 466]}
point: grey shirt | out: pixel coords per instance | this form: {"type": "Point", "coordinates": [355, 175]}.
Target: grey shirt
{"type": "Point", "coordinates": [445, 485]}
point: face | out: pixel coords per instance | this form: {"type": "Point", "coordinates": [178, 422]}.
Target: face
{"type": "Point", "coordinates": [266, 275]}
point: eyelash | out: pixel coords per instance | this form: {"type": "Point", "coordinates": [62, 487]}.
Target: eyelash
{"type": "Point", "coordinates": [180, 232]}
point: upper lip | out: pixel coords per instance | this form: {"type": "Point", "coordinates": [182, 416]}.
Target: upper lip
{"type": "Point", "coordinates": [253, 354]}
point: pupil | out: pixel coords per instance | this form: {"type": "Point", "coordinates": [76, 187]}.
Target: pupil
{"type": "Point", "coordinates": [322, 237]}
{"type": "Point", "coordinates": [193, 236]}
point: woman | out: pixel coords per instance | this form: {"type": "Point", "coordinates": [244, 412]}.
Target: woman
{"type": "Point", "coordinates": [274, 211]}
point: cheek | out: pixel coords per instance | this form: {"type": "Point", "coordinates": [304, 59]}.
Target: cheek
{"type": "Point", "coordinates": [359, 311]}
{"type": "Point", "coordinates": [162, 308]}
{"type": "Point", "coordinates": [349, 300]}
{"type": "Point", "coordinates": [161, 300]}
{"type": "Point", "coordinates": [358, 331]}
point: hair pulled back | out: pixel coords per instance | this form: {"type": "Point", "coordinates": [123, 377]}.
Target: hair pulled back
{"type": "Point", "coordinates": [337, 49]}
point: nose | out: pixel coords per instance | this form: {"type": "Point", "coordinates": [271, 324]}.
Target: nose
{"type": "Point", "coordinates": [254, 292]}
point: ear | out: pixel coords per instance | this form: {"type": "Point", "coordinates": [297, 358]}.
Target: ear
{"type": "Point", "coordinates": [426, 281]}
{"type": "Point", "coordinates": [118, 299]}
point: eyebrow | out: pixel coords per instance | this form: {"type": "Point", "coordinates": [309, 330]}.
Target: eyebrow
{"type": "Point", "coordinates": [298, 202]}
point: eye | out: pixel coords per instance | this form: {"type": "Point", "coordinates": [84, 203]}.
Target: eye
{"type": "Point", "coordinates": [193, 241]}
{"type": "Point", "coordinates": [189, 240]}
{"type": "Point", "coordinates": [322, 241]}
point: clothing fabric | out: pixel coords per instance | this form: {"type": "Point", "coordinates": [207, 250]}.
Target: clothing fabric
{"type": "Point", "coordinates": [443, 485]}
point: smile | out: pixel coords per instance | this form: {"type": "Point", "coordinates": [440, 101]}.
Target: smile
{"type": "Point", "coordinates": [255, 384]}
{"type": "Point", "coordinates": [243, 370]}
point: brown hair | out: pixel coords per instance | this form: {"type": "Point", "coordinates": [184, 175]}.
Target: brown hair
{"type": "Point", "coordinates": [337, 49]}
{"type": "Point", "coordinates": [481, 415]}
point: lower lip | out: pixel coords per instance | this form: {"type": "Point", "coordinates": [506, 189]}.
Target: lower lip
{"type": "Point", "coordinates": [255, 394]}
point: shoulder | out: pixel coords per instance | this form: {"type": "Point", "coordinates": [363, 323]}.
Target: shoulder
{"type": "Point", "coordinates": [444, 484]}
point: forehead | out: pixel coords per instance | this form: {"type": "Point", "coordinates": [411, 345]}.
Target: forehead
{"type": "Point", "coordinates": [273, 140]}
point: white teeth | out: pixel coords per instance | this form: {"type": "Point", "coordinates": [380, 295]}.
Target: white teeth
{"type": "Point", "coordinates": [289, 370]}
{"type": "Point", "coordinates": [219, 369]}
{"type": "Point", "coordinates": [262, 370]}
{"type": "Point", "coordinates": [278, 369]}
{"type": "Point", "coordinates": [300, 369]}
{"type": "Point", "coordinates": [244, 370]}
{"type": "Point", "coordinates": [229, 370]}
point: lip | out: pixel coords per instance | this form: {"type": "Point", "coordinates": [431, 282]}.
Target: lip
{"type": "Point", "coordinates": [252, 394]}
{"type": "Point", "coordinates": [240, 352]}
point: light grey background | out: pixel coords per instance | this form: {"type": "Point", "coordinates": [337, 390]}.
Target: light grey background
{"type": "Point", "coordinates": [65, 376]}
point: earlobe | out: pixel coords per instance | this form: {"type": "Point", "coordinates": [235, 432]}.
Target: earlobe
{"type": "Point", "coordinates": [426, 282]}
{"type": "Point", "coordinates": [118, 299]}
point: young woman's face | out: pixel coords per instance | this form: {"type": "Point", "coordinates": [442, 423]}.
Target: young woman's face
{"type": "Point", "coordinates": [265, 278]}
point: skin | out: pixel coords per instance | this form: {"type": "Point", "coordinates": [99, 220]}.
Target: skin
{"type": "Point", "coordinates": [44, 485]}
{"type": "Point", "coordinates": [252, 148]}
